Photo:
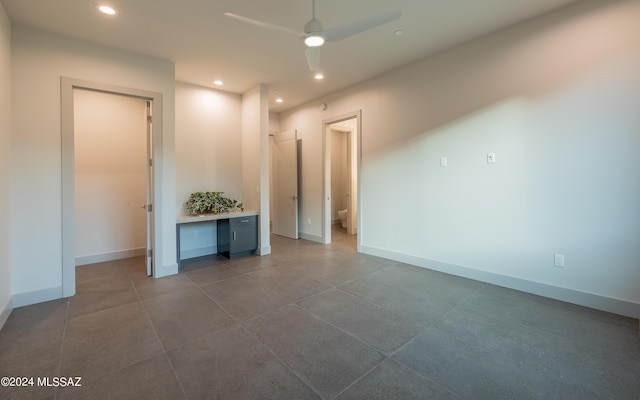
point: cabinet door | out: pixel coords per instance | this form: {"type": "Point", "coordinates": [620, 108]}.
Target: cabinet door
{"type": "Point", "coordinates": [244, 239]}
{"type": "Point", "coordinates": [244, 234]}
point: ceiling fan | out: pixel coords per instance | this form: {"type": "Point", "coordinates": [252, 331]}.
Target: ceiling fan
{"type": "Point", "coordinates": [315, 35]}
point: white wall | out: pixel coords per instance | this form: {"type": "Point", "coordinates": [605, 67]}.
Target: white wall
{"type": "Point", "coordinates": [274, 122]}
{"type": "Point", "coordinates": [557, 100]}
{"type": "Point", "coordinates": [255, 160]}
{"type": "Point", "coordinates": [110, 139]}
{"type": "Point", "coordinates": [208, 156]}
{"type": "Point", "coordinates": [274, 127]}
{"type": "Point", "coordinates": [307, 121]}
{"type": "Point", "coordinates": [208, 142]}
{"type": "Point", "coordinates": [39, 60]}
{"type": "Point", "coordinates": [5, 166]}
{"type": "Point", "coordinates": [251, 148]}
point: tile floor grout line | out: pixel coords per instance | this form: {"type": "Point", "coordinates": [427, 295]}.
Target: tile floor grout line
{"type": "Point", "coordinates": [210, 333]}
{"type": "Point", "coordinates": [262, 285]}
{"type": "Point", "coordinates": [216, 303]}
{"type": "Point", "coordinates": [429, 379]}
{"type": "Point", "coordinates": [146, 313]}
{"type": "Point", "coordinates": [175, 373]}
{"type": "Point", "coordinates": [153, 327]}
{"type": "Point", "coordinates": [265, 313]}
{"type": "Point", "coordinates": [360, 378]}
{"type": "Point", "coordinates": [64, 333]}
{"type": "Point", "coordinates": [257, 339]}
{"type": "Point", "coordinates": [511, 321]}
{"type": "Point", "coordinates": [427, 327]}
{"type": "Point", "coordinates": [432, 323]}
{"type": "Point", "coordinates": [385, 353]}
{"type": "Point", "coordinates": [415, 321]}
{"type": "Point", "coordinates": [164, 350]}
{"type": "Point", "coordinates": [291, 302]}
{"type": "Point", "coordinates": [368, 345]}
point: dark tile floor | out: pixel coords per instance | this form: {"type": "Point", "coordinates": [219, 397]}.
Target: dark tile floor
{"type": "Point", "coordinates": [313, 322]}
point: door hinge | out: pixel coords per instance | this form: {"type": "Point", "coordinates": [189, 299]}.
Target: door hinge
{"type": "Point", "coordinates": [149, 118]}
{"type": "Point", "coordinates": [150, 253]}
{"type": "Point", "coordinates": [151, 162]}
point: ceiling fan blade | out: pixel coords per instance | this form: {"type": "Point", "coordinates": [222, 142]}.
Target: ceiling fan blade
{"type": "Point", "coordinates": [313, 58]}
{"type": "Point", "coordinates": [345, 31]}
{"type": "Point", "coordinates": [265, 25]}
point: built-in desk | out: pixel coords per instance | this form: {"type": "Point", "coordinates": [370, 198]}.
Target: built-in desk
{"type": "Point", "coordinates": [237, 232]}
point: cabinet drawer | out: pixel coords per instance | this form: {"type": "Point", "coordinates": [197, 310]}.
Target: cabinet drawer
{"type": "Point", "coordinates": [243, 221]}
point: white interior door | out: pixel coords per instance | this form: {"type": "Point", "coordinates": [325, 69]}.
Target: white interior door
{"type": "Point", "coordinates": [285, 184]}
{"type": "Point", "coordinates": [149, 205]}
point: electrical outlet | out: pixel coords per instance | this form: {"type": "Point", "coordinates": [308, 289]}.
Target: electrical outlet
{"type": "Point", "coordinates": [491, 158]}
{"type": "Point", "coordinates": [443, 161]}
{"type": "Point", "coordinates": [309, 221]}
{"type": "Point", "coordinates": [558, 260]}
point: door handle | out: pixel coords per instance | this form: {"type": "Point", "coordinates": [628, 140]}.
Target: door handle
{"type": "Point", "coordinates": [234, 235]}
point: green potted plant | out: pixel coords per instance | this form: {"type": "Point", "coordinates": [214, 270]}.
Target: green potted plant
{"type": "Point", "coordinates": [211, 203]}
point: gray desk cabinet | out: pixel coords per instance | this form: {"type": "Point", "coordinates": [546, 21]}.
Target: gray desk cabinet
{"type": "Point", "coordinates": [238, 237]}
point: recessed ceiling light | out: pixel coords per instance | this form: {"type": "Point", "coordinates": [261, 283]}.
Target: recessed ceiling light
{"type": "Point", "coordinates": [319, 76]}
{"type": "Point", "coordinates": [106, 10]}
{"type": "Point", "coordinates": [279, 100]}
{"type": "Point", "coordinates": [218, 82]}
{"type": "Point", "coordinates": [398, 32]}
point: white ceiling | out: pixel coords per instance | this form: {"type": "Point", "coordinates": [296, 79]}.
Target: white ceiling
{"type": "Point", "coordinates": [205, 45]}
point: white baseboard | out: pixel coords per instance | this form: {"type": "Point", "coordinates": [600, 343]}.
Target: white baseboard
{"type": "Point", "coordinates": [166, 270]}
{"type": "Point", "coordinates": [38, 296]}
{"type": "Point", "coordinates": [590, 300]}
{"type": "Point", "coordinates": [308, 236]}
{"type": "Point", "coordinates": [5, 311]}
{"type": "Point", "coordinates": [264, 250]}
{"type": "Point", "coordinates": [111, 256]}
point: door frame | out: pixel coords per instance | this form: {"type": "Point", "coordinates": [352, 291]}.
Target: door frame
{"type": "Point", "coordinates": [67, 87]}
{"type": "Point", "coordinates": [326, 175]}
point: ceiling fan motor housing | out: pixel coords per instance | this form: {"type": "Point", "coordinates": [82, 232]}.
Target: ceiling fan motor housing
{"type": "Point", "coordinates": [315, 37]}
{"type": "Point", "coordinates": [313, 26]}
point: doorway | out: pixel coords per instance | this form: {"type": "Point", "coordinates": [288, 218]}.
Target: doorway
{"type": "Point", "coordinates": [342, 138]}
{"type": "Point", "coordinates": [110, 153]}
{"type": "Point", "coordinates": [152, 101]}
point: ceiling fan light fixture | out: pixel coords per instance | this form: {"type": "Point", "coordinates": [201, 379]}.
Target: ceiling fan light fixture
{"type": "Point", "coordinates": [314, 40]}
{"type": "Point", "coordinates": [106, 9]}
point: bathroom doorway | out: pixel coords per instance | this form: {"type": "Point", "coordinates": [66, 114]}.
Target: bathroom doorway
{"type": "Point", "coordinates": [341, 176]}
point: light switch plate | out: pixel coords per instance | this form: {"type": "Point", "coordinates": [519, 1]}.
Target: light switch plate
{"type": "Point", "coordinates": [443, 161]}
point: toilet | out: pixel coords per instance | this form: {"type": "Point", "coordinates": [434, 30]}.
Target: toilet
{"type": "Point", "coordinates": [343, 217]}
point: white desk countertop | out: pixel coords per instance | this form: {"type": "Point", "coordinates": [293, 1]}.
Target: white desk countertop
{"type": "Point", "coordinates": [187, 219]}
